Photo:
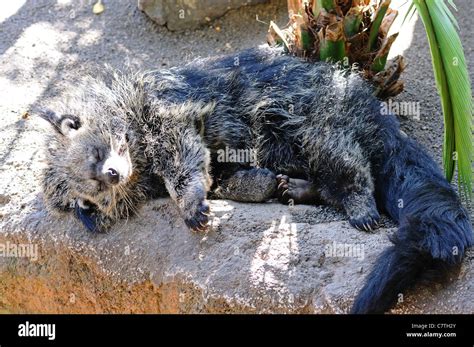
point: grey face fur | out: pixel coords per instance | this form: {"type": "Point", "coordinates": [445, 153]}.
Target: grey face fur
{"type": "Point", "coordinates": [91, 158]}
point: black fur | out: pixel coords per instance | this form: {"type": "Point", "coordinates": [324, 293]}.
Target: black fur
{"type": "Point", "coordinates": [312, 122]}
{"type": "Point", "coordinates": [434, 229]}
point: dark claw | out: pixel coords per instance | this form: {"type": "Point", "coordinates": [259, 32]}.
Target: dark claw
{"type": "Point", "coordinates": [204, 208]}
{"type": "Point", "coordinates": [282, 189]}
{"type": "Point", "coordinates": [199, 221]}
{"type": "Point", "coordinates": [367, 223]}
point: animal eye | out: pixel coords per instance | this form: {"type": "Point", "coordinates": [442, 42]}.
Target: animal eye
{"type": "Point", "coordinates": [97, 154]}
{"type": "Point", "coordinates": [127, 137]}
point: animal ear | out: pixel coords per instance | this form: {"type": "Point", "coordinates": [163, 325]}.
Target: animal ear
{"type": "Point", "coordinates": [65, 124]}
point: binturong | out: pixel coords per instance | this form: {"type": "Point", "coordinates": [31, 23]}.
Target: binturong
{"type": "Point", "coordinates": [249, 127]}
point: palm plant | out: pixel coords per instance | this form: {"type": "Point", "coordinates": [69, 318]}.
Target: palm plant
{"type": "Point", "coordinates": [356, 32]}
{"type": "Point", "coordinates": [454, 87]}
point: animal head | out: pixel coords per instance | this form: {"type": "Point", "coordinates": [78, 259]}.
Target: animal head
{"type": "Point", "coordinates": [92, 153]}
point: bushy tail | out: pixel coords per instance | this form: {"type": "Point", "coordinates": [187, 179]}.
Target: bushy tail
{"type": "Point", "coordinates": [434, 229]}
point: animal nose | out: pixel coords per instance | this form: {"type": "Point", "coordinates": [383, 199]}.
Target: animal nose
{"type": "Point", "coordinates": [113, 176]}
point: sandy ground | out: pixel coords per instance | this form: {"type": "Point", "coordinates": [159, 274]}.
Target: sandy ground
{"type": "Point", "coordinates": [46, 46]}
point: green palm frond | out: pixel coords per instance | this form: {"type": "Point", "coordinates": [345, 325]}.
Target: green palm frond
{"type": "Point", "coordinates": [454, 87]}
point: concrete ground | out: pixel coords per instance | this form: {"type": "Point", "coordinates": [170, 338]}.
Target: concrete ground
{"type": "Point", "coordinates": [255, 258]}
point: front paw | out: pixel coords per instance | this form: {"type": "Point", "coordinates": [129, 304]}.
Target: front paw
{"type": "Point", "coordinates": [198, 218]}
{"type": "Point", "coordinates": [90, 217]}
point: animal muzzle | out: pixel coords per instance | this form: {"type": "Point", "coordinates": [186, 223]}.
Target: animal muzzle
{"type": "Point", "coordinates": [113, 171]}
{"type": "Point", "coordinates": [111, 176]}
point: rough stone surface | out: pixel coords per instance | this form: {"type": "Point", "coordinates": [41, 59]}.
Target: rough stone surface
{"type": "Point", "coordinates": [255, 258]}
{"type": "Point", "coordinates": [186, 14]}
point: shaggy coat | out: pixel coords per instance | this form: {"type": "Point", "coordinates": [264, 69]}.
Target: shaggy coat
{"type": "Point", "coordinates": [138, 136]}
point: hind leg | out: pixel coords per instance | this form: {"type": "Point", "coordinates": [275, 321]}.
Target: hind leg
{"type": "Point", "coordinates": [252, 185]}
{"type": "Point", "coordinates": [351, 189]}
{"type": "Point", "coordinates": [343, 178]}
{"type": "Point", "coordinates": [361, 208]}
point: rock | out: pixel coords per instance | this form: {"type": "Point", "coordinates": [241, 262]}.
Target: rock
{"type": "Point", "coordinates": [187, 14]}
{"type": "Point", "coordinates": [255, 258]}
